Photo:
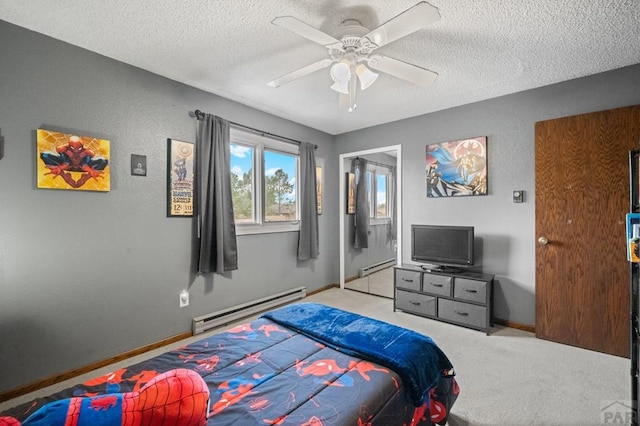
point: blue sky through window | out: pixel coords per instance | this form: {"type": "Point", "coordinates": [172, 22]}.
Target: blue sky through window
{"type": "Point", "coordinates": [242, 161]}
{"type": "Point", "coordinates": [275, 160]}
{"type": "Point", "coordinates": [381, 182]}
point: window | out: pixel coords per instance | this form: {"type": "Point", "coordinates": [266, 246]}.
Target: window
{"type": "Point", "coordinates": [381, 196]}
{"type": "Point", "coordinates": [379, 181]}
{"type": "Point", "coordinates": [280, 186]}
{"type": "Point", "coordinates": [242, 182]}
{"type": "Point", "coordinates": [264, 183]}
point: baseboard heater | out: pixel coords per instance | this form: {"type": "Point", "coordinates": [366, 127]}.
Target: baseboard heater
{"type": "Point", "coordinates": [376, 267]}
{"type": "Point", "coordinates": [216, 319]}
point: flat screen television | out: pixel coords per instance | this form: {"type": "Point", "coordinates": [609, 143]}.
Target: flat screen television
{"type": "Point", "coordinates": [445, 247]}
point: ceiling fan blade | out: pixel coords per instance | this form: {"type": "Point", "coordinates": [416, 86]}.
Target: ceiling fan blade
{"type": "Point", "coordinates": [413, 73]}
{"type": "Point", "coordinates": [409, 21]}
{"type": "Point", "coordinates": [305, 30]}
{"type": "Point", "coordinates": [324, 63]}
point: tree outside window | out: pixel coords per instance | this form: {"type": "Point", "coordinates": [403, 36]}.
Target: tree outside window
{"type": "Point", "coordinates": [280, 190]}
{"type": "Point", "coordinates": [242, 188]}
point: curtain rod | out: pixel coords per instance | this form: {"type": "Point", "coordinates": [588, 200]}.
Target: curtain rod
{"type": "Point", "coordinates": [377, 164]}
{"type": "Point", "coordinates": [200, 115]}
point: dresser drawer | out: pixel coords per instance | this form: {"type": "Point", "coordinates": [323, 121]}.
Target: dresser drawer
{"type": "Point", "coordinates": [472, 290]}
{"type": "Point", "coordinates": [463, 313]}
{"type": "Point", "coordinates": [416, 303]}
{"type": "Point", "coordinates": [436, 284]}
{"type": "Point", "coordinates": [408, 279]}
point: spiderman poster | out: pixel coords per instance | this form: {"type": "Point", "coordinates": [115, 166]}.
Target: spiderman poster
{"type": "Point", "coordinates": [67, 161]}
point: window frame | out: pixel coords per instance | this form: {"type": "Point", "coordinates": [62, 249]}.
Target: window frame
{"type": "Point", "coordinates": [260, 143]}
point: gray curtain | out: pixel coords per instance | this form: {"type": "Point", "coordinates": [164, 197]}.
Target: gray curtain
{"type": "Point", "coordinates": [308, 241]}
{"type": "Point", "coordinates": [391, 225]}
{"type": "Point", "coordinates": [361, 221]}
{"type": "Point", "coordinates": [218, 249]}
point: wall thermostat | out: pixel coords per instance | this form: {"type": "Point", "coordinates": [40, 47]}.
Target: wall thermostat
{"type": "Point", "coordinates": [518, 196]}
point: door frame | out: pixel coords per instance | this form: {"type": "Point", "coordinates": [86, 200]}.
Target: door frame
{"type": "Point", "coordinates": [342, 204]}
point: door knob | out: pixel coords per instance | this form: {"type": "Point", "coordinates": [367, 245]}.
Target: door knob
{"type": "Point", "coordinates": [543, 241]}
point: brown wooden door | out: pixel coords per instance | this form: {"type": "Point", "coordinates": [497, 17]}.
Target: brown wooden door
{"type": "Point", "coordinates": [582, 197]}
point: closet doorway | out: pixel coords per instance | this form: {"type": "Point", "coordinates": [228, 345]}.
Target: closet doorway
{"type": "Point", "coordinates": [366, 265]}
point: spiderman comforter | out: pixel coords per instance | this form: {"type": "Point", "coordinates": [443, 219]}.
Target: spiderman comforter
{"type": "Point", "coordinates": [304, 364]}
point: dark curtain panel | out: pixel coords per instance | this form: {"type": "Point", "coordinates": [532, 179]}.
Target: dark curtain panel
{"type": "Point", "coordinates": [391, 226]}
{"type": "Point", "coordinates": [218, 249]}
{"type": "Point", "coordinates": [308, 241]}
{"type": "Point", "coordinates": [361, 222]}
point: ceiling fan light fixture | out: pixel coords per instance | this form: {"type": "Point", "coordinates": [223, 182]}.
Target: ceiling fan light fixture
{"type": "Point", "coordinates": [341, 75]}
{"type": "Point", "coordinates": [366, 76]}
{"type": "Point", "coordinates": [341, 87]}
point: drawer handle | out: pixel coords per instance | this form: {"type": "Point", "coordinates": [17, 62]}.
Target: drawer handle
{"type": "Point", "coordinates": [407, 280]}
{"type": "Point", "coordinates": [437, 285]}
{"type": "Point", "coordinates": [462, 314]}
{"type": "Point", "coordinates": [414, 303]}
{"type": "Point", "coordinates": [469, 290]}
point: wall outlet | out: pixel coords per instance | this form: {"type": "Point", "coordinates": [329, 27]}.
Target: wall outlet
{"type": "Point", "coordinates": [184, 298]}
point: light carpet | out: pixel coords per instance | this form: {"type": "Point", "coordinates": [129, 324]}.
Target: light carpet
{"type": "Point", "coordinates": [507, 378]}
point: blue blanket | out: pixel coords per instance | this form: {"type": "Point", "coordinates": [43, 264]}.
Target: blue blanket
{"type": "Point", "coordinates": [415, 357]}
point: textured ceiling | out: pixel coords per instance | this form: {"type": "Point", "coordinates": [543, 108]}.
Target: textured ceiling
{"type": "Point", "coordinates": [480, 48]}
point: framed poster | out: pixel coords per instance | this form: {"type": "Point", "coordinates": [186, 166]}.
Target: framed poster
{"type": "Point", "coordinates": [66, 161]}
{"type": "Point", "coordinates": [180, 178]}
{"type": "Point", "coordinates": [457, 168]}
{"type": "Point", "coordinates": [138, 165]}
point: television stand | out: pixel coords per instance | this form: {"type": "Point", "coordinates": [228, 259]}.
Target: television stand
{"type": "Point", "coordinates": [458, 297]}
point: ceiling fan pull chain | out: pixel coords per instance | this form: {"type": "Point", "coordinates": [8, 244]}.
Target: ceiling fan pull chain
{"type": "Point", "coordinates": [352, 89]}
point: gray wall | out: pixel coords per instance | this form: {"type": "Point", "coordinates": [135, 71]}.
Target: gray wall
{"type": "Point", "coordinates": [84, 275]}
{"type": "Point", "coordinates": [505, 232]}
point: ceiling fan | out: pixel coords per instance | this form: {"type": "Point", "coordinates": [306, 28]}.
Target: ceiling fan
{"type": "Point", "coordinates": [350, 52]}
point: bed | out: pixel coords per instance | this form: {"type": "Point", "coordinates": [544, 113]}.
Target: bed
{"type": "Point", "coordinates": [303, 364]}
